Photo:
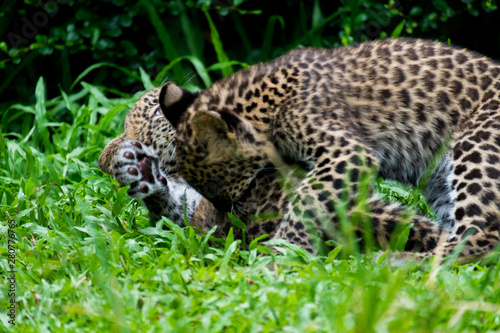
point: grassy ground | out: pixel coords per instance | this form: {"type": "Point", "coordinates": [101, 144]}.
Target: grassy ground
{"type": "Point", "coordinates": [88, 260]}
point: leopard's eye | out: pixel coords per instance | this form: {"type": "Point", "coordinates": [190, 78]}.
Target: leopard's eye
{"type": "Point", "coordinates": [158, 111]}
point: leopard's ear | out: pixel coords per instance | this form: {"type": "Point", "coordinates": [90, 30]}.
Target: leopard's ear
{"type": "Point", "coordinates": [108, 153]}
{"type": "Point", "coordinates": [211, 130]}
{"type": "Point", "coordinates": [174, 101]}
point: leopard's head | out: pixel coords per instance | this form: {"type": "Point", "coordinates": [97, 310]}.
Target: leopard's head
{"type": "Point", "coordinates": [219, 152]}
{"type": "Point", "coordinates": [145, 123]}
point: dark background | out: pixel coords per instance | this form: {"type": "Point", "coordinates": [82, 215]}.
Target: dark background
{"type": "Point", "coordinates": [60, 39]}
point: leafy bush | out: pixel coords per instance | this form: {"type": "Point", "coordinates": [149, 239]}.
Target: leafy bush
{"type": "Point", "coordinates": [198, 41]}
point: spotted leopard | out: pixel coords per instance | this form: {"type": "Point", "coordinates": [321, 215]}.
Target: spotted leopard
{"type": "Point", "coordinates": [143, 157]}
{"type": "Point", "coordinates": [382, 108]}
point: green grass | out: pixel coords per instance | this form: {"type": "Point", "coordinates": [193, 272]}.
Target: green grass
{"type": "Point", "coordinates": [88, 260]}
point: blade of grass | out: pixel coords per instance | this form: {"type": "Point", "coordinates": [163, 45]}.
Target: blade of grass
{"type": "Point", "coordinates": [146, 80]}
{"type": "Point", "coordinates": [205, 240]}
{"type": "Point", "coordinates": [40, 115]}
{"type": "Point", "coordinates": [397, 31]}
{"type": "Point", "coordinates": [313, 31]}
{"type": "Point", "coordinates": [188, 29]}
{"type": "Point", "coordinates": [3, 152]}
{"type": "Point", "coordinates": [99, 96]}
{"type": "Point", "coordinates": [67, 102]}
{"type": "Point", "coordinates": [317, 22]}
{"type": "Point", "coordinates": [164, 37]}
{"type": "Point", "coordinates": [104, 64]}
{"type": "Point", "coordinates": [268, 35]}
{"type": "Point", "coordinates": [219, 50]}
{"type": "Point", "coordinates": [218, 65]}
{"type": "Point", "coordinates": [227, 256]}
{"type": "Point", "coordinates": [197, 64]}
{"type": "Point", "coordinates": [54, 175]}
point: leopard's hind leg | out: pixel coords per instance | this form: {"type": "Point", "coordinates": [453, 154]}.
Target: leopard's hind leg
{"type": "Point", "coordinates": [465, 191]}
{"type": "Point", "coordinates": [475, 186]}
{"type": "Point", "coordinates": [342, 169]}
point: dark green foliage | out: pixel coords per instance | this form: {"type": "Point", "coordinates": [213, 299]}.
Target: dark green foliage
{"type": "Point", "coordinates": [182, 40]}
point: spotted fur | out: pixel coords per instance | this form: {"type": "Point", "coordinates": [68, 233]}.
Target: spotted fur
{"type": "Point", "coordinates": [379, 108]}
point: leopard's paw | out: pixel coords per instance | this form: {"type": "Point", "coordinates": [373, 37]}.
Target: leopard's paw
{"type": "Point", "coordinates": [136, 164]}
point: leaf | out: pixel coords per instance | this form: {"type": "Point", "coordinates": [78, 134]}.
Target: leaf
{"type": "Point", "coordinates": [151, 231]}
{"type": "Point", "coordinates": [4, 47]}
{"type": "Point", "coordinates": [416, 10]}
{"type": "Point", "coordinates": [399, 28]}
{"type": "Point", "coordinates": [264, 249]}
{"type": "Point", "coordinates": [54, 175]}
{"type": "Point", "coordinates": [396, 189]}
{"type": "Point", "coordinates": [118, 204]}
{"type": "Point", "coordinates": [382, 257]}
{"type": "Point", "coordinates": [67, 102]}
{"type": "Point", "coordinates": [237, 222]}
{"type": "Point", "coordinates": [333, 254]}
{"type": "Point", "coordinates": [229, 239]}
{"type": "Point", "coordinates": [252, 256]}
{"type": "Point", "coordinates": [146, 80]}
{"type": "Point", "coordinates": [106, 120]}
{"type": "Point", "coordinates": [317, 16]}
{"type": "Point", "coordinates": [40, 113]}
{"type": "Point", "coordinates": [403, 238]}
{"type": "Point", "coordinates": [99, 96]}
{"type": "Point", "coordinates": [206, 239]}
{"type": "Point", "coordinates": [104, 64]}
{"type": "Point", "coordinates": [181, 236]}
{"type": "Point", "coordinates": [253, 244]}
{"type": "Point", "coordinates": [227, 255]}
{"type": "Point", "coordinates": [219, 65]}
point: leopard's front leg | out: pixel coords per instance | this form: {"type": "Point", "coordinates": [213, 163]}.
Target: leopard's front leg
{"type": "Point", "coordinates": [137, 165]}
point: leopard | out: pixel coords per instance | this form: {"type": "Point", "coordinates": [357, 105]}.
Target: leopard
{"type": "Point", "coordinates": [143, 158]}
{"type": "Point", "coordinates": [401, 109]}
